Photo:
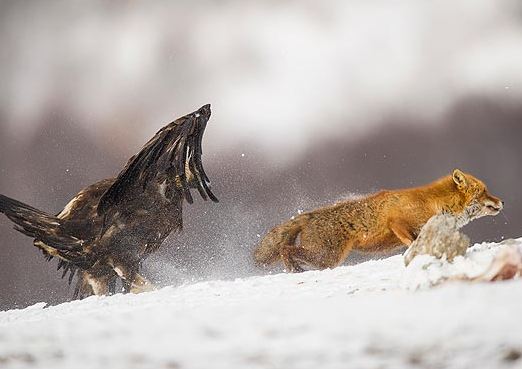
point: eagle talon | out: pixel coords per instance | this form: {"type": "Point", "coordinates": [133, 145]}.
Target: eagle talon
{"type": "Point", "coordinates": [141, 284]}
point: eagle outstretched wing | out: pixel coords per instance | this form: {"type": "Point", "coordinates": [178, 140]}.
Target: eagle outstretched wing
{"type": "Point", "coordinates": [110, 227]}
{"type": "Point", "coordinates": [174, 152]}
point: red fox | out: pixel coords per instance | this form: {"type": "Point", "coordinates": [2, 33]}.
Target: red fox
{"type": "Point", "coordinates": [379, 222]}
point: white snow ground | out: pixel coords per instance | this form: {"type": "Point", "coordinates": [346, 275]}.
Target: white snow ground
{"type": "Point", "coordinates": [377, 314]}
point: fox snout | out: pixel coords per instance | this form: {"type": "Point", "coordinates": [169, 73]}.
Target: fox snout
{"type": "Point", "coordinates": [493, 205]}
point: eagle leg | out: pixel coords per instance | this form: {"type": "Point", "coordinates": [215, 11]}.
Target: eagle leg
{"type": "Point", "coordinates": [98, 285]}
{"type": "Point", "coordinates": [141, 284]}
{"type": "Point", "coordinates": [83, 288]}
{"type": "Point", "coordinates": [133, 281]}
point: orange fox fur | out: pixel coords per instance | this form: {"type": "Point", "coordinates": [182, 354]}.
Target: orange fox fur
{"type": "Point", "coordinates": [378, 222]}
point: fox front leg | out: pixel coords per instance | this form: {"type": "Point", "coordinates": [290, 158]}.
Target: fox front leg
{"type": "Point", "coordinates": [402, 232]}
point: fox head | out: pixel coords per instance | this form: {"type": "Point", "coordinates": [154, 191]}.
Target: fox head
{"type": "Point", "coordinates": [478, 202]}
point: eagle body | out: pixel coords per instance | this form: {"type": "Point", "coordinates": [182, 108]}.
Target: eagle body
{"type": "Point", "coordinates": [106, 231]}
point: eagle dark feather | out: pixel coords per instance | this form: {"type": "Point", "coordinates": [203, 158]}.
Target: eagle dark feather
{"type": "Point", "coordinates": [170, 152]}
{"type": "Point", "coordinates": [107, 230]}
{"type": "Point", "coordinates": [35, 223]}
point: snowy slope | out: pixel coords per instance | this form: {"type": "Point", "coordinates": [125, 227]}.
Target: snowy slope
{"type": "Point", "coordinates": [366, 316]}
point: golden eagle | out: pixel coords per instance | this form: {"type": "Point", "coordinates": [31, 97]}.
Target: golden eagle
{"type": "Point", "coordinates": [107, 230]}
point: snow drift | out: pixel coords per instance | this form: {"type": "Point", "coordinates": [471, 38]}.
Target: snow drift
{"type": "Point", "coordinates": [372, 315]}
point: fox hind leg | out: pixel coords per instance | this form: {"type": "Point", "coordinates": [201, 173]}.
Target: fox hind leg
{"type": "Point", "coordinates": [318, 258]}
{"type": "Point", "coordinates": [294, 256]}
{"type": "Point", "coordinates": [289, 261]}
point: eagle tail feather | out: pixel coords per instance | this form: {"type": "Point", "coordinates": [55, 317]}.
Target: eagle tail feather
{"type": "Point", "coordinates": [38, 225]}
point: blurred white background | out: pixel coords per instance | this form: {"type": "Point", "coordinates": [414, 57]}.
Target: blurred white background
{"type": "Point", "coordinates": [281, 74]}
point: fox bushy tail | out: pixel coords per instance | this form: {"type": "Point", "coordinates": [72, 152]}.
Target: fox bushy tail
{"type": "Point", "coordinates": [285, 234]}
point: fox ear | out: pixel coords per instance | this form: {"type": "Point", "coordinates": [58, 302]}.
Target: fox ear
{"type": "Point", "coordinates": [460, 179]}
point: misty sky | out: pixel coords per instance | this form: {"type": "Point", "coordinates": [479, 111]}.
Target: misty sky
{"type": "Point", "coordinates": [280, 74]}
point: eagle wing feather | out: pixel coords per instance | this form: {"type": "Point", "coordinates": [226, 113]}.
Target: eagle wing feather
{"type": "Point", "coordinates": [173, 149]}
